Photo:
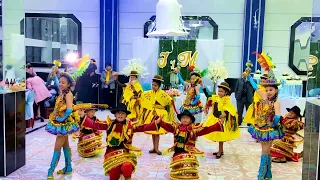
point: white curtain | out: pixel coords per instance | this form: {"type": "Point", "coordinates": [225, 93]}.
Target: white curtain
{"type": "Point", "coordinates": [147, 50]}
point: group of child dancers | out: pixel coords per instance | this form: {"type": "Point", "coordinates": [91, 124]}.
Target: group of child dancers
{"type": "Point", "coordinates": [153, 113]}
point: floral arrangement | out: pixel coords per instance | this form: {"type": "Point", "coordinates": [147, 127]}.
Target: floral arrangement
{"type": "Point", "coordinates": [173, 92]}
{"type": "Point", "coordinates": [217, 71]}
{"type": "Point", "coordinates": [135, 65]}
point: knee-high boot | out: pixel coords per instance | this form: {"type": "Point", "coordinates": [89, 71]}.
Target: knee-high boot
{"type": "Point", "coordinates": [67, 158]}
{"type": "Point", "coordinates": [269, 173]}
{"type": "Point", "coordinates": [263, 169]}
{"type": "Point", "coordinates": [54, 162]}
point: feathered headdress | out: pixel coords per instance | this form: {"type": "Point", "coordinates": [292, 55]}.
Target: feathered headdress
{"type": "Point", "coordinates": [79, 67]}
{"type": "Point", "coordinates": [135, 66]}
{"type": "Point", "coordinates": [266, 63]}
{"type": "Point", "coordinates": [195, 69]}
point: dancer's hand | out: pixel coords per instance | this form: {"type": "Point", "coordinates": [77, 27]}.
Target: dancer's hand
{"type": "Point", "coordinates": [154, 113]}
{"type": "Point", "coordinates": [205, 110]}
{"type": "Point", "coordinates": [159, 119]}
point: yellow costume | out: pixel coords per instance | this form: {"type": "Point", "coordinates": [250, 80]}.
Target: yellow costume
{"type": "Point", "coordinates": [155, 104]}
{"type": "Point", "coordinates": [249, 117]}
{"type": "Point", "coordinates": [221, 106]}
{"type": "Point", "coordinates": [131, 94]}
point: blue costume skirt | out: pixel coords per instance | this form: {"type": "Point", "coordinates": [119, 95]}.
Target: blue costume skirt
{"type": "Point", "coordinates": [265, 133]}
{"type": "Point", "coordinates": [67, 127]}
{"type": "Point", "coordinates": [193, 109]}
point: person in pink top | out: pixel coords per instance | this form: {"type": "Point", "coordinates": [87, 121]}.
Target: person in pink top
{"type": "Point", "coordinates": [36, 84]}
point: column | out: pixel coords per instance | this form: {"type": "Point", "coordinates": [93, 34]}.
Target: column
{"type": "Point", "coordinates": [12, 104]}
{"type": "Point", "coordinates": [109, 30]}
{"type": "Point", "coordinates": [253, 31]}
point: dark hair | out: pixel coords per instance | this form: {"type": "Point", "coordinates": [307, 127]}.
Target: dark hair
{"type": "Point", "coordinates": [93, 60]}
{"type": "Point", "coordinates": [108, 64]}
{"type": "Point", "coordinates": [156, 81]}
{"type": "Point", "coordinates": [28, 75]}
{"type": "Point", "coordinates": [28, 66]}
{"type": "Point", "coordinates": [274, 86]}
{"type": "Point", "coordinates": [195, 74]}
{"type": "Point", "coordinates": [228, 93]}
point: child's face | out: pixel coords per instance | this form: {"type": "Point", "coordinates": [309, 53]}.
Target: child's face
{"type": "Point", "coordinates": [193, 79]}
{"type": "Point", "coordinates": [185, 120]}
{"type": "Point", "coordinates": [91, 113]}
{"type": "Point", "coordinates": [221, 92]}
{"type": "Point", "coordinates": [121, 116]}
{"type": "Point", "coordinates": [292, 115]}
{"type": "Point", "coordinates": [81, 112]}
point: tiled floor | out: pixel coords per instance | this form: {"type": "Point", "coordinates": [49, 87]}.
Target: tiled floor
{"type": "Point", "coordinates": [240, 162]}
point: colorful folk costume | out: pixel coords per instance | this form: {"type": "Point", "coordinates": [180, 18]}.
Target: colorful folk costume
{"type": "Point", "coordinates": [249, 116]}
{"type": "Point", "coordinates": [120, 156]}
{"type": "Point", "coordinates": [222, 106]}
{"type": "Point", "coordinates": [156, 104]}
{"type": "Point", "coordinates": [63, 121]}
{"type": "Point", "coordinates": [184, 161]}
{"type": "Point", "coordinates": [131, 95]}
{"type": "Point", "coordinates": [282, 150]}
{"type": "Point", "coordinates": [90, 140]}
{"type": "Point", "coordinates": [265, 127]}
{"type": "Point", "coordinates": [192, 102]}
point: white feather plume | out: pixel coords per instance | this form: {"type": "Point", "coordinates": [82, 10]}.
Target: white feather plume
{"type": "Point", "coordinates": [135, 65]}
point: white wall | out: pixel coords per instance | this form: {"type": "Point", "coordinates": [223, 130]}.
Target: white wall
{"type": "Point", "coordinates": [280, 15]}
{"type": "Point", "coordinates": [87, 11]}
{"type": "Point", "coordinates": [228, 14]}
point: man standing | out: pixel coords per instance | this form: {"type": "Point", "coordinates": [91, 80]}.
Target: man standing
{"type": "Point", "coordinates": [243, 93]}
{"type": "Point", "coordinates": [108, 86]}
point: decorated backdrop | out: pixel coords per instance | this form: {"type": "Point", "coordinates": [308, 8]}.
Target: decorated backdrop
{"type": "Point", "coordinates": [161, 56]}
{"type": "Point", "coordinates": [172, 54]}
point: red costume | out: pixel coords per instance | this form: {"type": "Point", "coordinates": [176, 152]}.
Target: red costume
{"type": "Point", "coordinates": [120, 156]}
{"type": "Point", "coordinates": [184, 162]}
{"type": "Point", "coordinates": [283, 148]}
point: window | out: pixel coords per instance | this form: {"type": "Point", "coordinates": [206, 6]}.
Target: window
{"type": "Point", "coordinates": [33, 54]}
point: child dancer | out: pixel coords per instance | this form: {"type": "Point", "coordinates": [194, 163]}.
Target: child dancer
{"type": "Point", "coordinates": [249, 116]}
{"type": "Point", "coordinates": [62, 124]}
{"type": "Point", "coordinates": [90, 141]}
{"type": "Point", "coordinates": [192, 102]}
{"type": "Point", "coordinates": [131, 93]}
{"type": "Point", "coordinates": [282, 150]}
{"type": "Point", "coordinates": [184, 162]}
{"type": "Point", "coordinates": [222, 109]}
{"type": "Point", "coordinates": [156, 102]}
{"type": "Point", "coordinates": [120, 155]}
{"type": "Point", "coordinates": [267, 115]}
